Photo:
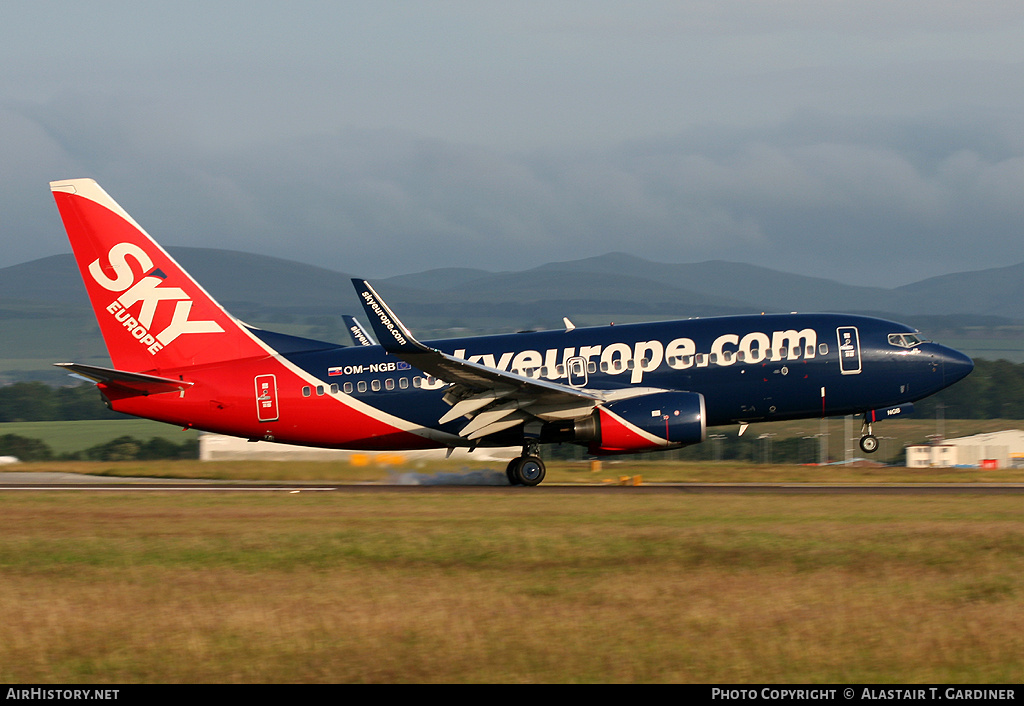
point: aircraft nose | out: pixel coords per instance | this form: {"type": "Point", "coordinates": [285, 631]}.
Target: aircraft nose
{"type": "Point", "coordinates": [955, 366]}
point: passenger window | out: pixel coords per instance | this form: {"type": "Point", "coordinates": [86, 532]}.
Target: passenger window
{"type": "Point", "coordinates": [334, 389]}
{"type": "Point", "coordinates": [417, 382]}
{"type": "Point", "coordinates": [403, 383]}
{"type": "Point", "coordinates": [306, 391]}
{"type": "Point", "coordinates": [375, 385]}
{"type": "Point", "coordinates": [389, 384]}
{"type": "Point", "coordinates": [348, 388]}
{"type": "Point", "coordinates": [823, 349]}
{"type": "Point", "coordinates": [319, 390]}
{"type": "Point", "coordinates": [361, 386]}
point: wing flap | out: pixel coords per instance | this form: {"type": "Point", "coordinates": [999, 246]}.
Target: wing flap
{"type": "Point", "coordinates": [491, 416]}
{"type": "Point", "coordinates": [496, 426]}
{"type": "Point", "coordinates": [463, 407]}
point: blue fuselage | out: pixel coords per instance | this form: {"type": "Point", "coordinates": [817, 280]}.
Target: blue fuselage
{"type": "Point", "coordinates": [748, 368]}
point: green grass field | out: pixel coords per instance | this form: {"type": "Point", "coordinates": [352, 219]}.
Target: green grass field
{"type": "Point", "coordinates": [525, 587]}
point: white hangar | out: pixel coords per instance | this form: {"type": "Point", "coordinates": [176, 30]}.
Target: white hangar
{"type": "Point", "coordinates": [998, 449]}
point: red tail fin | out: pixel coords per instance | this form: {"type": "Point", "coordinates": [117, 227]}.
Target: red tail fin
{"type": "Point", "coordinates": [151, 313]}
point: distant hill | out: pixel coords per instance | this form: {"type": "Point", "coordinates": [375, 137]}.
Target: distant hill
{"type": "Point", "coordinates": [615, 280]}
{"type": "Point", "coordinates": [229, 275]}
{"type": "Point", "coordinates": [45, 316]}
{"type": "Point", "coordinates": [994, 292]}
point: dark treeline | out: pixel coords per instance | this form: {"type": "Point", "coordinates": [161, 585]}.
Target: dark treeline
{"type": "Point", "coordinates": [995, 390]}
{"type": "Point", "coordinates": [39, 402]}
{"type": "Point", "coordinates": [123, 448]}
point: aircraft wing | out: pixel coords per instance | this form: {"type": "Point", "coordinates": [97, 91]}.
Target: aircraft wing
{"type": "Point", "coordinates": [495, 399]}
{"type": "Point", "coordinates": [134, 383]}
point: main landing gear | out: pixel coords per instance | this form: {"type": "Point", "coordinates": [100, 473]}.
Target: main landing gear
{"type": "Point", "coordinates": [527, 469]}
{"type": "Point", "coordinates": [868, 442]}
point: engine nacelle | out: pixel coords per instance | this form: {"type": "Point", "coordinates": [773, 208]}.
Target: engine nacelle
{"type": "Point", "coordinates": [658, 421]}
{"type": "Point", "coordinates": [653, 422]}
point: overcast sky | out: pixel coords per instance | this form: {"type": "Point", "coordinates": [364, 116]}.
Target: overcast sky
{"type": "Point", "coordinates": [871, 141]}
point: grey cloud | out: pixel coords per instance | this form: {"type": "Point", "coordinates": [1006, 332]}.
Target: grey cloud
{"type": "Point", "coordinates": [865, 201]}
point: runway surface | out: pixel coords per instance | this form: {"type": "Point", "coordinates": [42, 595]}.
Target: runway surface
{"type": "Point", "coordinates": [54, 482]}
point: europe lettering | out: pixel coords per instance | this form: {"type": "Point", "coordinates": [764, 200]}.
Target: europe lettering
{"type": "Point", "coordinates": [644, 357]}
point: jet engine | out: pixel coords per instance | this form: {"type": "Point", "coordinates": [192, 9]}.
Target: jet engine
{"type": "Point", "coordinates": [643, 423]}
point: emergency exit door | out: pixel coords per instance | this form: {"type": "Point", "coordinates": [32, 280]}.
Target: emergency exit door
{"type": "Point", "coordinates": [849, 350]}
{"type": "Point", "coordinates": [577, 371]}
{"type": "Point", "coordinates": [266, 398]}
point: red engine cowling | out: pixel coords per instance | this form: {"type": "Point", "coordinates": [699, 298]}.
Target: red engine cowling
{"type": "Point", "coordinates": [649, 423]}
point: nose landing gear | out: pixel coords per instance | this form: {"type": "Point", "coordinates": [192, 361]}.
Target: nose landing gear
{"type": "Point", "coordinates": [868, 442]}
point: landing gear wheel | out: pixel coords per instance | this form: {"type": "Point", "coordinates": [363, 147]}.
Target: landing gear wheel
{"type": "Point", "coordinates": [526, 470]}
{"type": "Point", "coordinates": [510, 472]}
{"type": "Point", "coordinates": [869, 443]}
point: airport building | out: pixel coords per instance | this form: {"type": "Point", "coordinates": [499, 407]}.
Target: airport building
{"type": "Point", "coordinates": [999, 449]}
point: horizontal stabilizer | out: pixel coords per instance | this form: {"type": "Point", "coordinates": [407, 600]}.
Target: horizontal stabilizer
{"type": "Point", "coordinates": [137, 383]}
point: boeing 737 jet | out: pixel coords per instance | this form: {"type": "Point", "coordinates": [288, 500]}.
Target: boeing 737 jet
{"type": "Point", "coordinates": [178, 357]}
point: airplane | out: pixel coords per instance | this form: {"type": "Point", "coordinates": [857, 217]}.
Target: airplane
{"type": "Point", "coordinates": [179, 357]}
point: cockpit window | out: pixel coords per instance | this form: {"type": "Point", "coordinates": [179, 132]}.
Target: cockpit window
{"type": "Point", "coordinates": [905, 340]}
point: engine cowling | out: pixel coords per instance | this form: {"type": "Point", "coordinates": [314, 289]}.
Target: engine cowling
{"type": "Point", "coordinates": [650, 422]}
